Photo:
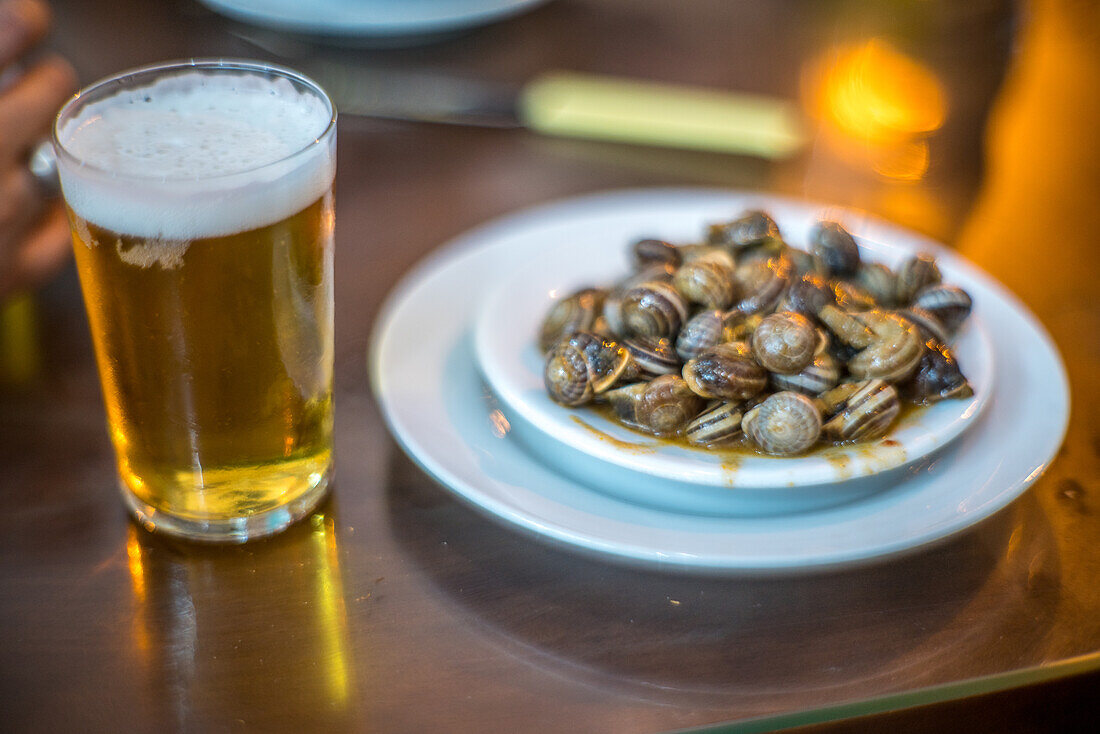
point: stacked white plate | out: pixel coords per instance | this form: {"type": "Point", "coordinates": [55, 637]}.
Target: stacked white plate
{"type": "Point", "coordinates": [371, 18]}
{"type": "Point", "coordinates": [457, 373]}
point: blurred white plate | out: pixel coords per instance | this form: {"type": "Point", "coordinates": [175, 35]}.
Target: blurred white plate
{"type": "Point", "coordinates": [431, 394]}
{"type": "Point", "coordinates": [589, 447]}
{"type": "Point", "coordinates": [370, 17]}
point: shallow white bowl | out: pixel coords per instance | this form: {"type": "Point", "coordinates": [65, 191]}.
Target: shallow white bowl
{"type": "Point", "coordinates": [582, 444]}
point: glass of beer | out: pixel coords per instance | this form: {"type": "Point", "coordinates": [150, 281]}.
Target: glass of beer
{"type": "Point", "coordinates": [200, 199]}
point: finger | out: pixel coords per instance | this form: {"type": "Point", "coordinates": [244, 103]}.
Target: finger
{"type": "Point", "coordinates": [20, 208]}
{"type": "Point", "coordinates": [21, 204]}
{"type": "Point", "coordinates": [28, 107]}
{"type": "Point", "coordinates": [44, 251]}
{"type": "Point", "coordinates": [23, 23]}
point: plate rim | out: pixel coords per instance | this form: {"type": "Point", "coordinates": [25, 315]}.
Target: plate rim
{"type": "Point", "coordinates": [444, 18]}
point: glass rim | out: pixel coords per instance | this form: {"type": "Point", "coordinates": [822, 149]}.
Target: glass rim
{"type": "Point", "coordinates": [211, 64]}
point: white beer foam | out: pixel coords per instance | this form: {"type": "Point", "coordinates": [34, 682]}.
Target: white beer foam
{"type": "Point", "coordinates": [196, 155]}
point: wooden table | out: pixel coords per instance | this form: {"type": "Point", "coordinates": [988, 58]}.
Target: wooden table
{"type": "Point", "coordinates": [398, 608]}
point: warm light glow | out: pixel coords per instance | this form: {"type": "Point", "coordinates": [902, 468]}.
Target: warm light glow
{"type": "Point", "coordinates": [137, 569]}
{"type": "Point", "coordinates": [330, 604]}
{"type": "Point", "coordinates": [135, 564]}
{"type": "Point", "coordinates": [500, 424]}
{"type": "Point", "coordinates": [876, 106]}
{"type": "Point", "coordinates": [875, 93]}
{"type": "Point", "coordinates": [909, 162]}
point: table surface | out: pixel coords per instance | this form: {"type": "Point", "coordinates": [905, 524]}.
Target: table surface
{"type": "Point", "coordinates": [397, 607]}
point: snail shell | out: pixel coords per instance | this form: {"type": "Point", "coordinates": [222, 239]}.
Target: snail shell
{"type": "Point", "coordinates": [895, 352]}
{"type": "Point", "coordinates": [702, 331]}
{"type": "Point", "coordinates": [937, 377]}
{"type": "Point", "coordinates": [859, 410]}
{"type": "Point", "coordinates": [582, 366]}
{"type": "Point", "coordinates": [577, 312]}
{"type": "Point", "coordinates": [718, 424]}
{"type": "Point", "coordinates": [802, 262]}
{"type": "Point", "coordinates": [927, 323]}
{"type": "Point", "coordinates": [916, 273]}
{"type": "Point", "coordinates": [762, 283]}
{"type": "Point", "coordinates": [784, 343]}
{"type": "Point", "coordinates": [725, 372]}
{"type": "Point", "coordinates": [751, 229]}
{"type": "Point", "coordinates": [707, 279]}
{"type": "Point", "coordinates": [949, 303]}
{"type": "Point", "coordinates": [606, 359]}
{"type": "Point", "coordinates": [834, 248]}
{"type": "Point", "coordinates": [820, 375]}
{"type": "Point", "coordinates": [852, 297]}
{"type": "Point", "coordinates": [653, 309]}
{"type": "Point", "coordinates": [785, 423]}
{"type": "Point", "coordinates": [807, 295]}
{"type": "Point", "coordinates": [879, 281]}
{"type": "Point", "coordinates": [739, 327]}
{"type": "Point", "coordinates": [655, 252]}
{"type": "Point", "coordinates": [848, 329]}
{"type": "Point", "coordinates": [624, 401]}
{"type": "Point", "coordinates": [652, 357]}
{"type": "Point", "coordinates": [890, 346]}
{"type": "Point", "coordinates": [612, 307]}
{"type": "Point", "coordinates": [666, 405]}
{"type": "Point", "coordinates": [566, 375]}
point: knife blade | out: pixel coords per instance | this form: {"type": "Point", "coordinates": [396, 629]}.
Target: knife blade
{"type": "Point", "coordinates": [575, 105]}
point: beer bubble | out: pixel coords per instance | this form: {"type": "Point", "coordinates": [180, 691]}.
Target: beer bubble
{"type": "Point", "coordinates": [83, 233]}
{"type": "Point", "coordinates": [168, 254]}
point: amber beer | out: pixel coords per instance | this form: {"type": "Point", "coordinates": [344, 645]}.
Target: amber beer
{"type": "Point", "coordinates": [202, 222]}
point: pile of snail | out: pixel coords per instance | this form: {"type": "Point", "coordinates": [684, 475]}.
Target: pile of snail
{"type": "Point", "coordinates": [746, 340]}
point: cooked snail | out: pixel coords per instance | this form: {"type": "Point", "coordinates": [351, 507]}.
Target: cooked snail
{"type": "Point", "coordinates": [744, 340]}
{"type": "Point", "coordinates": [702, 331]}
{"type": "Point", "coordinates": [726, 372]}
{"type": "Point", "coordinates": [949, 303]}
{"type": "Point", "coordinates": [835, 249]}
{"type": "Point", "coordinates": [784, 343]}
{"type": "Point", "coordinates": [763, 282]}
{"type": "Point", "coordinates": [752, 229]}
{"type": "Point", "coordinates": [662, 406]}
{"type": "Point", "coordinates": [859, 410]}
{"type": "Point", "coordinates": [654, 309]}
{"type": "Point", "coordinates": [707, 279]}
{"type": "Point", "coordinates": [916, 273]}
{"type": "Point", "coordinates": [651, 357]}
{"type": "Point", "coordinates": [786, 423]}
{"type": "Point", "coordinates": [655, 252]}
{"type": "Point", "coordinates": [583, 365]}
{"type": "Point", "coordinates": [577, 312]}
{"type": "Point", "coordinates": [719, 424]}
{"type": "Point", "coordinates": [889, 346]}
{"type": "Point", "coordinates": [937, 377]}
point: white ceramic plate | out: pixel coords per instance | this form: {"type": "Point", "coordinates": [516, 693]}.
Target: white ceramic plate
{"type": "Point", "coordinates": [579, 253]}
{"type": "Point", "coordinates": [431, 394]}
{"type": "Point", "coordinates": [370, 17]}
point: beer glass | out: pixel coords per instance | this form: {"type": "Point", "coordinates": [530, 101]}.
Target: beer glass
{"type": "Point", "coordinates": [200, 199]}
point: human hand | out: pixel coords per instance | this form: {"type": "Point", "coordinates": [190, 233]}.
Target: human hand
{"type": "Point", "coordinates": [34, 233]}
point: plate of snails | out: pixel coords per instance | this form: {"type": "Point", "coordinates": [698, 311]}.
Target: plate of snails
{"type": "Point", "coordinates": [478, 393]}
{"type": "Point", "coordinates": [765, 361]}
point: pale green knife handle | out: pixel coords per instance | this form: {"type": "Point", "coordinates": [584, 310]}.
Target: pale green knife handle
{"type": "Point", "coordinates": [649, 113]}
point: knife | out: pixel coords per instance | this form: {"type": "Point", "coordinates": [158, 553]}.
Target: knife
{"type": "Point", "coordinates": [574, 105]}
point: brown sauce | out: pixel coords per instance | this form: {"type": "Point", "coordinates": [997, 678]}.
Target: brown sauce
{"type": "Point", "coordinates": [886, 450]}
